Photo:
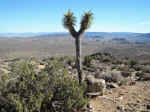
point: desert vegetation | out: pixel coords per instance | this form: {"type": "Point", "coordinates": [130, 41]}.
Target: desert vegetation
{"type": "Point", "coordinates": [51, 84]}
{"type": "Point", "coordinates": [26, 89]}
{"type": "Point", "coordinates": [54, 60]}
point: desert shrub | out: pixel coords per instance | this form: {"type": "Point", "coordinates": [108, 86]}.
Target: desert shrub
{"type": "Point", "coordinates": [67, 61]}
{"type": "Point", "coordinates": [125, 61]}
{"type": "Point", "coordinates": [107, 54]}
{"type": "Point", "coordinates": [146, 68]}
{"type": "Point", "coordinates": [137, 67]}
{"type": "Point", "coordinates": [70, 94]}
{"type": "Point", "coordinates": [63, 58]}
{"type": "Point", "coordinates": [26, 93]}
{"type": "Point", "coordinates": [66, 91]}
{"type": "Point", "coordinates": [46, 91]}
{"type": "Point", "coordinates": [116, 62]}
{"type": "Point", "coordinates": [96, 56]}
{"type": "Point", "coordinates": [87, 61]}
{"type": "Point", "coordinates": [106, 59]}
{"type": "Point", "coordinates": [5, 104]}
{"type": "Point", "coordinates": [132, 63]}
{"type": "Point", "coordinates": [71, 61]}
{"type": "Point", "coordinates": [139, 74]}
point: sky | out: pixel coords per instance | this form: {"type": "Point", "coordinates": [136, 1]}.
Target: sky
{"type": "Point", "coordinates": [46, 15]}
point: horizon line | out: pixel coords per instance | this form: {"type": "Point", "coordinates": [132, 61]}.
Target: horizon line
{"type": "Point", "coordinates": [68, 32]}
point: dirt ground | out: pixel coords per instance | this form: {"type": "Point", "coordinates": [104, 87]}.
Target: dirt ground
{"type": "Point", "coordinates": [135, 98]}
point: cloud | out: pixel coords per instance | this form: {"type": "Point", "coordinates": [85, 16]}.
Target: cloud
{"type": "Point", "coordinates": [145, 23]}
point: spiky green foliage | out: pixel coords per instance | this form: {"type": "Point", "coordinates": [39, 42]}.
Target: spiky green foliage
{"type": "Point", "coordinates": [86, 21]}
{"type": "Point", "coordinates": [69, 21]}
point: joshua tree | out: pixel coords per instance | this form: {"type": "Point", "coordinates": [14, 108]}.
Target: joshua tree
{"type": "Point", "coordinates": [69, 21]}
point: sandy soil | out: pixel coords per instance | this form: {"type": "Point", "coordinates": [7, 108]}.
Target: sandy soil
{"type": "Point", "coordinates": [134, 98]}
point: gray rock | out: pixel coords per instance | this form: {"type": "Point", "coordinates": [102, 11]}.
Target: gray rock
{"type": "Point", "coordinates": [112, 76]}
{"type": "Point", "coordinates": [125, 74]}
{"type": "Point", "coordinates": [95, 85]}
{"type": "Point", "coordinates": [116, 76]}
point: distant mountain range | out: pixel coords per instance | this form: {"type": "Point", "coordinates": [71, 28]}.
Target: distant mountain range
{"type": "Point", "coordinates": [87, 34]}
{"type": "Point", "coordinates": [29, 34]}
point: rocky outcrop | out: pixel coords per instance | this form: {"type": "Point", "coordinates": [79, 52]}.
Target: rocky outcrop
{"type": "Point", "coordinates": [111, 76]}
{"type": "Point", "coordinates": [95, 85]}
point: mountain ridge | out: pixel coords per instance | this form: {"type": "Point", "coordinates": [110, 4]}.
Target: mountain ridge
{"type": "Point", "coordinates": [87, 34]}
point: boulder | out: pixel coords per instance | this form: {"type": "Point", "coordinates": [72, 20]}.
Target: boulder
{"type": "Point", "coordinates": [112, 76]}
{"type": "Point", "coordinates": [125, 74]}
{"type": "Point", "coordinates": [103, 75]}
{"type": "Point", "coordinates": [116, 76]}
{"type": "Point", "coordinates": [95, 85]}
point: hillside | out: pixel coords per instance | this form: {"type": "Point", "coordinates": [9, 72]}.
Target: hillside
{"type": "Point", "coordinates": [61, 45]}
{"type": "Point", "coordinates": [126, 82]}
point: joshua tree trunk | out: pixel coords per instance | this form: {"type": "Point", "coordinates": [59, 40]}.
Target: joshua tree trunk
{"type": "Point", "coordinates": [78, 58]}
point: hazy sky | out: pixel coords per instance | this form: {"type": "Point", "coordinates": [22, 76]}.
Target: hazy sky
{"type": "Point", "coordinates": [46, 15]}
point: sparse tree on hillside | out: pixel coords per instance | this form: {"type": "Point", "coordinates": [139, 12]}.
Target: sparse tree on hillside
{"type": "Point", "coordinates": [69, 22]}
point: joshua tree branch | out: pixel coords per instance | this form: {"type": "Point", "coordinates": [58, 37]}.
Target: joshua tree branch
{"type": "Point", "coordinates": [73, 31]}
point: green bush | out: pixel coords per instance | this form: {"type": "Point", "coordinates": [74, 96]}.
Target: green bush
{"type": "Point", "coordinates": [116, 62]}
{"type": "Point", "coordinates": [26, 93]}
{"type": "Point", "coordinates": [66, 91]}
{"type": "Point", "coordinates": [71, 61]}
{"type": "Point", "coordinates": [106, 59]}
{"type": "Point", "coordinates": [87, 61]}
{"type": "Point", "coordinates": [132, 63]}
{"type": "Point", "coordinates": [50, 90]}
